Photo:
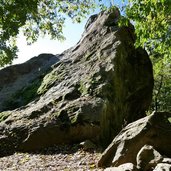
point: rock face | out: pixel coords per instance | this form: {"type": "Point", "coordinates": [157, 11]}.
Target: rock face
{"type": "Point", "coordinates": [102, 80]}
{"type": "Point", "coordinates": [19, 82]}
{"type": "Point", "coordinates": [143, 143]}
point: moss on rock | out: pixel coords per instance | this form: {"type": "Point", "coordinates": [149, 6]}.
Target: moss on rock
{"type": "Point", "coordinates": [47, 82]}
{"type": "Point", "coordinates": [50, 79]}
{"type": "Point", "coordinates": [4, 115]}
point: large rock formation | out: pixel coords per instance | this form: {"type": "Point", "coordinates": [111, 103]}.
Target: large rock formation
{"type": "Point", "coordinates": [103, 79]}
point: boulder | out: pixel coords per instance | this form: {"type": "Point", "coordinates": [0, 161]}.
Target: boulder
{"type": "Point", "coordinates": [147, 158]}
{"type": "Point", "coordinates": [165, 165]}
{"type": "Point", "coordinates": [128, 167]}
{"type": "Point", "coordinates": [102, 82]}
{"type": "Point", "coordinates": [133, 143]}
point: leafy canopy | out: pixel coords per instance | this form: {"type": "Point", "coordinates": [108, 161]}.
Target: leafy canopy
{"type": "Point", "coordinates": [36, 18]}
{"type": "Point", "coordinates": [152, 20]}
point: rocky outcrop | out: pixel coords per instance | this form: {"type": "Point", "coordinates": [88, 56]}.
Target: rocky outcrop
{"type": "Point", "coordinates": [145, 143]}
{"type": "Point", "coordinates": [19, 83]}
{"type": "Point", "coordinates": [103, 80]}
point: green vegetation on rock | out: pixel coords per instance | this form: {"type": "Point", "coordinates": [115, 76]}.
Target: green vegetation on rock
{"type": "Point", "coordinates": [47, 82]}
{"type": "Point", "coordinates": [69, 115]}
{"type": "Point", "coordinates": [4, 115]}
{"type": "Point", "coordinates": [49, 79]}
{"type": "Point", "coordinates": [83, 88]}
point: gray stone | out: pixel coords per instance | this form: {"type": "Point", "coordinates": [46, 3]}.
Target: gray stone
{"type": "Point", "coordinates": [166, 160]}
{"type": "Point", "coordinates": [103, 80]}
{"type": "Point", "coordinates": [148, 158]}
{"type": "Point", "coordinates": [128, 167]}
{"type": "Point", "coordinates": [153, 130]}
{"type": "Point", "coordinates": [113, 169]}
{"type": "Point", "coordinates": [162, 167]}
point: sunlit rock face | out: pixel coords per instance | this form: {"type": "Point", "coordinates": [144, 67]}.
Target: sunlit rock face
{"type": "Point", "coordinates": [101, 82]}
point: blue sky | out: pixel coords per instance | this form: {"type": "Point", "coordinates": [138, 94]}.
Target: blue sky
{"type": "Point", "coordinates": [72, 32]}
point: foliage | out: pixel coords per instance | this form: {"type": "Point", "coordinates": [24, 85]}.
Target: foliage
{"type": "Point", "coordinates": [152, 20]}
{"type": "Point", "coordinates": [35, 18]}
{"type": "Point", "coordinates": [162, 87]}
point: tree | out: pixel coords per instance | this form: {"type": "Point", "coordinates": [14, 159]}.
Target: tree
{"type": "Point", "coordinates": [35, 18]}
{"type": "Point", "coordinates": [152, 20]}
{"type": "Point", "coordinates": [162, 87]}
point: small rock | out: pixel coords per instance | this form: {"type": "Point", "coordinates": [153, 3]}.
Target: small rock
{"type": "Point", "coordinates": [148, 158]}
{"type": "Point", "coordinates": [128, 167]}
{"type": "Point", "coordinates": [166, 160]}
{"type": "Point", "coordinates": [88, 145]}
{"type": "Point", "coordinates": [162, 167]}
{"type": "Point", "coordinates": [113, 169]}
{"type": "Point", "coordinates": [123, 167]}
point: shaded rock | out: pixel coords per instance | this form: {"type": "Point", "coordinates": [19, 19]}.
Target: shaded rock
{"type": "Point", "coordinates": [153, 130]}
{"type": "Point", "coordinates": [148, 158]}
{"type": "Point", "coordinates": [103, 80]}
